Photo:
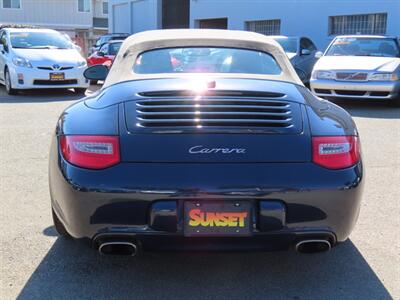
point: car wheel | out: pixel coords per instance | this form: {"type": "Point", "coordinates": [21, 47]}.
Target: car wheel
{"type": "Point", "coordinates": [59, 226]}
{"type": "Point", "coordinates": [8, 84]}
{"type": "Point", "coordinates": [93, 82]}
{"type": "Point", "coordinates": [80, 91]}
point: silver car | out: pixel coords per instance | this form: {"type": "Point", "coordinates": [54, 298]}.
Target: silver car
{"type": "Point", "coordinates": [360, 66]}
{"type": "Point", "coordinates": [301, 52]}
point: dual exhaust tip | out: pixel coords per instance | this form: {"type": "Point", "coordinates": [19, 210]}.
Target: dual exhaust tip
{"type": "Point", "coordinates": [128, 248]}
{"type": "Point", "coordinates": [313, 246]}
{"type": "Point", "coordinates": [119, 248]}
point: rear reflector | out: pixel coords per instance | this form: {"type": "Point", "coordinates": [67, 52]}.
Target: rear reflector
{"type": "Point", "coordinates": [91, 152]}
{"type": "Point", "coordinates": [336, 152]}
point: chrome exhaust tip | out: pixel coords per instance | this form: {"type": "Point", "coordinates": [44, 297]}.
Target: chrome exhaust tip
{"type": "Point", "coordinates": [118, 248]}
{"type": "Point", "coordinates": [313, 246]}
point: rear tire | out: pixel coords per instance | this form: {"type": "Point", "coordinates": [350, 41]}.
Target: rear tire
{"type": "Point", "coordinates": [80, 91]}
{"type": "Point", "coordinates": [8, 84]}
{"type": "Point", "coordinates": [59, 226]}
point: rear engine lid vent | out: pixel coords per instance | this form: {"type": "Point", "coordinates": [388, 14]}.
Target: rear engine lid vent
{"type": "Point", "coordinates": [213, 114]}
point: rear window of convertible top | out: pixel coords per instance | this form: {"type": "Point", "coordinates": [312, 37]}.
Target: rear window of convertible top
{"type": "Point", "coordinates": [206, 60]}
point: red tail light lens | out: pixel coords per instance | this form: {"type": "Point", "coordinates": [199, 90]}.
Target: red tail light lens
{"type": "Point", "coordinates": [336, 152]}
{"type": "Point", "coordinates": [91, 152]}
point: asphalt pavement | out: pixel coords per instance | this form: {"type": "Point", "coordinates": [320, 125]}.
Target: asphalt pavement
{"type": "Point", "coordinates": [37, 264]}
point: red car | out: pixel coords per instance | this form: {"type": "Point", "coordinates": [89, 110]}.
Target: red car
{"type": "Point", "coordinates": [106, 53]}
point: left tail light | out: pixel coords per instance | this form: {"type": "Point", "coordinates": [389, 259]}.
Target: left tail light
{"type": "Point", "coordinates": [90, 151]}
{"type": "Point", "coordinates": [336, 152]}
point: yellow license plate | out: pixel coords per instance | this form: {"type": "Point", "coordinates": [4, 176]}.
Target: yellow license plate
{"type": "Point", "coordinates": [217, 218]}
{"type": "Point", "coordinates": [57, 76]}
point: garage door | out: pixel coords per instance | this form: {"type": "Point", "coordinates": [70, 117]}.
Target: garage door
{"type": "Point", "coordinates": [121, 18]}
{"type": "Point", "coordinates": [175, 14]}
{"type": "Point", "coordinates": [141, 19]}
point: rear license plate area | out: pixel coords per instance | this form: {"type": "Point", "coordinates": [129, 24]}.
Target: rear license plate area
{"type": "Point", "coordinates": [217, 218]}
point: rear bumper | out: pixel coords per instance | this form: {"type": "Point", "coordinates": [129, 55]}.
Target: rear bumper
{"type": "Point", "coordinates": [176, 242]}
{"type": "Point", "coordinates": [117, 200]}
{"type": "Point", "coordinates": [362, 90]}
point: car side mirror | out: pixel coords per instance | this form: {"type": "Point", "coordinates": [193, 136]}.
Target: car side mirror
{"type": "Point", "coordinates": [100, 53]}
{"type": "Point", "coordinates": [97, 72]}
{"type": "Point", "coordinates": [318, 54]}
{"type": "Point", "coordinates": [2, 48]}
{"type": "Point", "coordinates": [305, 52]}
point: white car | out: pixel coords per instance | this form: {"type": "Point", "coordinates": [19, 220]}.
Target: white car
{"type": "Point", "coordinates": [359, 66]}
{"type": "Point", "coordinates": [39, 58]}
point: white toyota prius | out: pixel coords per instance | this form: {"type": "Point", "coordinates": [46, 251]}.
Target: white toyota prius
{"type": "Point", "coordinates": [39, 58]}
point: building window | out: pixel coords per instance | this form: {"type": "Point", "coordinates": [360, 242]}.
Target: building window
{"type": "Point", "coordinates": [84, 5]}
{"type": "Point", "coordinates": [358, 24]}
{"type": "Point", "coordinates": [11, 3]}
{"type": "Point", "coordinates": [267, 27]}
{"type": "Point", "coordinates": [105, 7]}
{"type": "Point", "coordinates": [221, 23]}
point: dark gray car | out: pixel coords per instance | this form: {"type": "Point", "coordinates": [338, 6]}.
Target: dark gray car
{"type": "Point", "coordinates": [301, 52]}
{"type": "Point", "coordinates": [179, 151]}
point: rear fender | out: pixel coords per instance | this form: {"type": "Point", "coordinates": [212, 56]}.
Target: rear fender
{"type": "Point", "coordinates": [326, 118]}
{"type": "Point", "coordinates": [81, 119]}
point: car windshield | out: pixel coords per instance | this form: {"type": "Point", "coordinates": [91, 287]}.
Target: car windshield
{"type": "Point", "coordinates": [101, 41]}
{"type": "Point", "coordinates": [351, 46]}
{"type": "Point", "coordinates": [104, 39]}
{"type": "Point", "coordinates": [39, 40]}
{"type": "Point", "coordinates": [288, 44]}
{"type": "Point", "coordinates": [205, 60]}
{"type": "Point", "coordinates": [114, 48]}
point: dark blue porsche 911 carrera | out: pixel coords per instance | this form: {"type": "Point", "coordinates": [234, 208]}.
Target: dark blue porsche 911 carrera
{"type": "Point", "coordinates": [204, 140]}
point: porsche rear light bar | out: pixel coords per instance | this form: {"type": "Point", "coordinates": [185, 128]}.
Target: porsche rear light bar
{"type": "Point", "coordinates": [336, 152]}
{"type": "Point", "coordinates": [90, 151]}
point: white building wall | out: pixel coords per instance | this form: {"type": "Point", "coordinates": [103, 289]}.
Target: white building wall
{"type": "Point", "coordinates": [298, 17]}
{"type": "Point", "coordinates": [98, 9]}
{"type": "Point", "coordinates": [50, 13]}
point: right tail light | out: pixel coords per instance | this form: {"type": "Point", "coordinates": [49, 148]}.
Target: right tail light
{"type": "Point", "coordinates": [336, 152]}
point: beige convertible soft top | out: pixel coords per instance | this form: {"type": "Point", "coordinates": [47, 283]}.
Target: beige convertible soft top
{"type": "Point", "coordinates": [133, 46]}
